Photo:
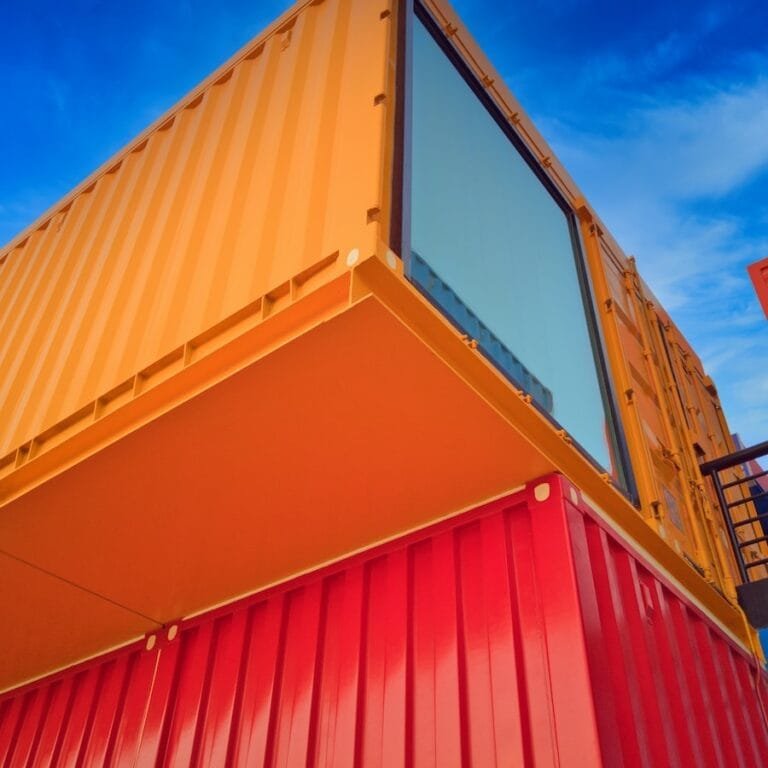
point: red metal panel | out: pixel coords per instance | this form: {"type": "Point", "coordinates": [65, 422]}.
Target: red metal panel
{"type": "Point", "coordinates": [385, 719]}
{"type": "Point", "coordinates": [521, 633]}
{"type": "Point", "coordinates": [91, 715]}
{"type": "Point", "coordinates": [678, 690]}
{"type": "Point", "coordinates": [758, 272]}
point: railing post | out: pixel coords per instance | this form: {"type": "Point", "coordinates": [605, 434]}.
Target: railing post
{"type": "Point", "coordinates": [729, 526]}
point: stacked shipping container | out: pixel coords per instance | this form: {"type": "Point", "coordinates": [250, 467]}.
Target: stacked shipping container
{"type": "Point", "coordinates": [217, 369]}
{"type": "Point", "coordinates": [524, 633]}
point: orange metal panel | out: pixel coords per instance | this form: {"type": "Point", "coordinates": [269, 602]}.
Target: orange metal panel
{"type": "Point", "coordinates": [193, 508]}
{"type": "Point", "coordinates": [209, 499]}
{"type": "Point", "coordinates": [66, 616]}
{"type": "Point", "coordinates": [658, 390]}
{"type": "Point", "coordinates": [272, 165]}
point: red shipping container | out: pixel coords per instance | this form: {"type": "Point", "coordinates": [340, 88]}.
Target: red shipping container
{"type": "Point", "coordinates": [758, 272]}
{"type": "Point", "coordinates": [525, 632]}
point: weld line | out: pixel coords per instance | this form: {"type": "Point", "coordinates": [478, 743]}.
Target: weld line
{"type": "Point", "coordinates": [80, 586]}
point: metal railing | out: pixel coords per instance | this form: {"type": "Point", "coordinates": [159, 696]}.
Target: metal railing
{"type": "Point", "coordinates": [749, 508]}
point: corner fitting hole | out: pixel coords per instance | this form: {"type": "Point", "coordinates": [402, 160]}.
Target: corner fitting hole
{"type": "Point", "coordinates": [380, 98]}
{"type": "Point", "coordinates": [385, 15]}
{"type": "Point", "coordinates": [372, 214]}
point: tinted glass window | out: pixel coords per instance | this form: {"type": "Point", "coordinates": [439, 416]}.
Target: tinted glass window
{"type": "Point", "coordinates": [491, 245]}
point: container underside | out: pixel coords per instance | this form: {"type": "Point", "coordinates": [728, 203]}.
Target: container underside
{"type": "Point", "coordinates": [321, 448]}
{"type": "Point", "coordinates": [332, 419]}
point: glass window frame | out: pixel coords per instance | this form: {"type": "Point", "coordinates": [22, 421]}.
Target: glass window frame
{"type": "Point", "coordinates": [400, 226]}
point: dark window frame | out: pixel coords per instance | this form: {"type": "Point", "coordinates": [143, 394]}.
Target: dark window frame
{"type": "Point", "coordinates": [400, 221]}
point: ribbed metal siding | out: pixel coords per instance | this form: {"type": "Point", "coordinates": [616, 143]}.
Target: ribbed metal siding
{"type": "Point", "coordinates": [92, 717]}
{"type": "Point", "coordinates": [362, 668]}
{"type": "Point", "coordinates": [669, 688]}
{"type": "Point", "coordinates": [417, 650]}
{"type": "Point", "coordinates": [512, 636]}
{"type": "Point", "coordinates": [267, 170]}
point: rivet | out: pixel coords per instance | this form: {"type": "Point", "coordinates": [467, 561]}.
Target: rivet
{"type": "Point", "coordinates": [352, 257]}
{"type": "Point", "coordinates": [173, 631]}
{"type": "Point", "coordinates": [541, 492]}
{"type": "Point", "coordinates": [391, 259]}
{"type": "Point", "coordinates": [151, 640]}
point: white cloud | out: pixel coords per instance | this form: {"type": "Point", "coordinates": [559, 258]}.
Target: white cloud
{"type": "Point", "coordinates": [710, 146]}
{"type": "Point", "coordinates": [685, 149]}
{"type": "Point", "coordinates": [658, 58]}
{"type": "Point", "coordinates": [649, 179]}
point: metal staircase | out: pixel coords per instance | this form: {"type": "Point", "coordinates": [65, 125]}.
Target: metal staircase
{"type": "Point", "coordinates": [743, 496]}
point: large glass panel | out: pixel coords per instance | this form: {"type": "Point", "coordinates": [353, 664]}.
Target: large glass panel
{"type": "Point", "coordinates": [492, 246]}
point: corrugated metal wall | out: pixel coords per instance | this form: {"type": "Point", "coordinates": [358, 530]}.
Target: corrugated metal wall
{"type": "Point", "coordinates": [509, 636]}
{"type": "Point", "coordinates": [670, 409]}
{"type": "Point", "coordinates": [267, 170]}
{"type": "Point", "coordinates": [669, 688]}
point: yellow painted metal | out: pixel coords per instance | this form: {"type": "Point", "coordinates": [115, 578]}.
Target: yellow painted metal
{"type": "Point", "coordinates": [272, 166]}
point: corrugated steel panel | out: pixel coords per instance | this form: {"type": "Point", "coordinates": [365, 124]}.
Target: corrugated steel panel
{"type": "Point", "coordinates": [669, 687]}
{"type": "Point", "coordinates": [269, 168]}
{"type": "Point", "coordinates": [92, 716]}
{"type": "Point", "coordinates": [524, 633]}
{"type": "Point", "coordinates": [758, 273]}
{"type": "Point", "coordinates": [671, 411]}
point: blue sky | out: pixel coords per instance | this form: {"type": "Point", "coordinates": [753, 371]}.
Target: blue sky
{"type": "Point", "coordinates": [659, 111]}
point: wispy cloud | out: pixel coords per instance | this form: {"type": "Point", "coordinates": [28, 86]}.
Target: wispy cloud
{"type": "Point", "coordinates": [656, 58]}
{"type": "Point", "coordinates": [704, 146]}
{"type": "Point", "coordinates": [655, 178]}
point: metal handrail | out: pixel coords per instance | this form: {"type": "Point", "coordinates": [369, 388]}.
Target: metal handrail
{"type": "Point", "coordinates": [735, 458]}
{"type": "Point", "coordinates": [713, 469]}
